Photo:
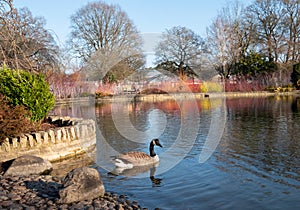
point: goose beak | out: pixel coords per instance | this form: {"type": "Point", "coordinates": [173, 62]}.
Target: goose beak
{"type": "Point", "coordinates": [158, 144]}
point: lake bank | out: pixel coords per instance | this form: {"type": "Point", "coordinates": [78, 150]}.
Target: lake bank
{"type": "Point", "coordinates": [41, 192]}
{"type": "Point", "coordinates": [44, 191]}
{"type": "Point", "coordinates": [173, 96]}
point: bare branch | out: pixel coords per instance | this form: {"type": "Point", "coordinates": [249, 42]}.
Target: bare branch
{"type": "Point", "coordinates": [102, 35]}
{"type": "Point", "coordinates": [24, 43]}
{"type": "Point", "coordinates": [179, 51]}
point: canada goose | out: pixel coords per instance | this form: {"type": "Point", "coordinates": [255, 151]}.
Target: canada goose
{"type": "Point", "coordinates": [131, 159]}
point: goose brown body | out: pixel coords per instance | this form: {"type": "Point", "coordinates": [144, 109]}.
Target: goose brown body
{"type": "Point", "coordinates": [136, 158]}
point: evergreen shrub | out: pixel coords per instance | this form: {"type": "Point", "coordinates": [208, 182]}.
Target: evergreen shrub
{"type": "Point", "coordinates": [27, 89]}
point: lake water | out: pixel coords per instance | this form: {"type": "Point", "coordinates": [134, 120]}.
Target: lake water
{"type": "Point", "coordinates": [234, 153]}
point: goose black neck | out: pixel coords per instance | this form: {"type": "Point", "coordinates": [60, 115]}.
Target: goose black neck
{"type": "Point", "coordinates": [151, 149]}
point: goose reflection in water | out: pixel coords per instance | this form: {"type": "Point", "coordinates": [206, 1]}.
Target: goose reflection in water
{"type": "Point", "coordinates": [137, 171]}
{"type": "Point", "coordinates": [155, 181]}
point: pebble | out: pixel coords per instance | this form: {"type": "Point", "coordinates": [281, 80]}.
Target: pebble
{"type": "Point", "coordinates": [41, 192]}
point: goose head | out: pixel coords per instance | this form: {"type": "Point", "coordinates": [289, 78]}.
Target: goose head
{"type": "Point", "coordinates": [154, 142]}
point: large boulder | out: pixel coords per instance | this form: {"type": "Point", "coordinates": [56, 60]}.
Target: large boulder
{"type": "Point", "coordinates": [81, 184]}
{"type": "Point", "coordinates": [28, 165]}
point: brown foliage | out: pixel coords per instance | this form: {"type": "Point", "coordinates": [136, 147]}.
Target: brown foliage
{"type": "Point", "coordinates": [14, 120]}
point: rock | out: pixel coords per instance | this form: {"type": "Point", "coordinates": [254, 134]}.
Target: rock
{"type": "Point", "coordinates": [6, 203]}
{"type": "Point", "coordinates": [28, 165]}
{"type": "Point", "coordinates": [3, 198]}
{"type": "Point", "coordinates": [42, 192]}
{"type": "Point", "coordinates": [81, 184]}
{"type": "Point", "coordinates": [119, 207]}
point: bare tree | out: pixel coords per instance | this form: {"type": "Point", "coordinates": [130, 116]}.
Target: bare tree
{"type": "Point", "coordinates": [102, 36]}
{"type": "Point", "coordinates": [229, 38]}
{"type": "Point", "coordinates": [179, 51]}
{"type": "Point", "coordinates": [277, 27]}
{"type": "Point", "coordinates": [268, 28]}
{"type": "Point", "coordinates": [291, 23]}
{"type": "Point", "coordinates": [267, 17]}
{"type": "Point", "coordinates": [24, 42]}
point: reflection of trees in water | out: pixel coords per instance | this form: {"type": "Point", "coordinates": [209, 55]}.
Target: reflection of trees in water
{"type": "Point", "coordinates": [262, 137]}
{"type": "Point", "coordinates": [296, 105]}
{"type": "Point", "coordinates": [81, 110]}
{"type": "Point", "coordinates": [175, 111]}
{"type": "Point", "coordinates": [139, 118]}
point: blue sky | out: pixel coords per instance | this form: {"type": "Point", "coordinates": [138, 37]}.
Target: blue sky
{"type": "Point", "coordinates": [149, 16]}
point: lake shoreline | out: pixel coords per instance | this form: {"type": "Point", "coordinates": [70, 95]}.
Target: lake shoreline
{"type": "Point", "coordinates": [171, 96]}
{"type": "Point", "coordinates": [41, 192]}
